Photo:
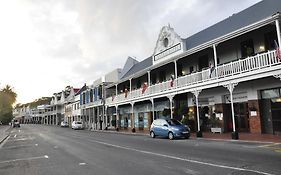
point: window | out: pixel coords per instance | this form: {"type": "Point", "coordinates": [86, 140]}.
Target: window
{"type": "Point", "coordinates": [247, 48]}
{"type": "Point", "coordinates": [269, 40]}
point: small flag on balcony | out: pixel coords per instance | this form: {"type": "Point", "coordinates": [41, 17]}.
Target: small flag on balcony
{"type": "Point", "coordinates": [113, 97]}
{"type": "Point", "coordinates": [212, 68]}
{"type": "Point", "coordinates": [277, 50]}
{"type": "Point", "coordinates": [144, 87]}
{"type": "Point", "coordinates": [172, 81]}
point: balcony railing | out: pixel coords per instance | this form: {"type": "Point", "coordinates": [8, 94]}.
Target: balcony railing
{"type": "Point", "coordinates": [240, 66]}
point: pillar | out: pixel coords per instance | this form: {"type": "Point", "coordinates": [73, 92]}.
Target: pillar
{"type": "Point", "coordinates": [196, 94]}
{"type": "Point", "coordinates": [278, 32]}
{"type": "Point", "coordinates": [230, 88]}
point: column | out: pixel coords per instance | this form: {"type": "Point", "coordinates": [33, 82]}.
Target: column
{"type": "Point", "coordinates": [133, 118]}
{"type": "Point", "coordinates": [176, 69]}
{"type": "Point", "coordinates": [148, 78]}
{"type": "Point", "coordinates": [278, 32]}
{"type": "Point", "coordinates": [171, 105]}
{"type": "Point", "coordinates": [231, 87]}
{"type": "Point", "coordinates": [196, 94]}
{"type": "Point", "coordinates": [106, 118]}
{"type": "Point", "coordinates": [94, 118]}
{"type": "Point", "coordinates": [98, 116]}
{"type": "Point", "coordinates": [117, 118]}
{"type": "Point", "coordinates": [152, 103]}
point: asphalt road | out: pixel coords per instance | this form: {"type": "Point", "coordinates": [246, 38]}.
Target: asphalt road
{"type": "Point", "coordinates": [47, 150]}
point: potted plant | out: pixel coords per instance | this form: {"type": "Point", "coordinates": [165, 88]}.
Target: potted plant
{"type": "Point", "coordinates": [215, 124]}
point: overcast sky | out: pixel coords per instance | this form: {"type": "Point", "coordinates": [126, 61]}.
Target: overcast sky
{"type": "Point", "coordinates": [46, 45]}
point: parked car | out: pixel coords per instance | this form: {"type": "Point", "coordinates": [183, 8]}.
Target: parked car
{"type": "Point", "coordinates": [64, 124]}
{"type": "Point", "coordinates": [77, 125]}
{"type": "Point", "coordinates": [15, 123]}
{"type": "Point", "coordinates": [170, 128]}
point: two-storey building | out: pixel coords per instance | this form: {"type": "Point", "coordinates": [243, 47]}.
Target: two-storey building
{"type": "Point", "coordinates": [230, 70]}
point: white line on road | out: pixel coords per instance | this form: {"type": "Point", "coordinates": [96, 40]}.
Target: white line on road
{"type": "Point", "coordinates": [82, 163]}
{"type": "Point", "coordinates": [15, 136]}
{"type": "Point", "coordinates": [17, 146]}
{"type": "Point", "coordinates": [182, 159]}
{"type": "Point", "coordinates": [30, 158]}
{"type": "Point", "coordinates": [22, 139]}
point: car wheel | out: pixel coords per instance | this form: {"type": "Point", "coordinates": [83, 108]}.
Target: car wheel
{"type": "Point", "coordinates": [171, 135]}
{"type": "Point", "coordinates": [152, 134]}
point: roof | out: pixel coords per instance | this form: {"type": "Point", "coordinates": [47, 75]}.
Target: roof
{"type": "Point", "coordinates": [139, 66]}
{"type": "Point", "coordinates": [76, 90]}
{"type": "Point", "coordinates": [81, 89]}
{"type": "Point", "coordinates": [255, 13]}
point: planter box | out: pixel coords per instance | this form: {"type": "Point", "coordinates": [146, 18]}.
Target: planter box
{"type": "Point", "coordinates": [216, 130]}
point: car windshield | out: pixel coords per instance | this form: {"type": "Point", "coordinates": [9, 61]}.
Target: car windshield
{"type": "Point", "coordinates": [173, 122]}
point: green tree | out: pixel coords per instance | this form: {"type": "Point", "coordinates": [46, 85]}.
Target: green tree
{"type": "Point", "coordinates": [7, 99]}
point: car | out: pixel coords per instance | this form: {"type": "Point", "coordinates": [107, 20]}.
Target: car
{"type": "Point", "coordinates": [64, 124]}
{"type": "Point", "coordinates": [77, 125]}
{"type": "Point", "coordinates": [15, 123]}
{"type": "Point", "coordinates": [170, 128]}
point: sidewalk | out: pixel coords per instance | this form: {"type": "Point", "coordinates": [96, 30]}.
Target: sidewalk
{"type": "Point", "coordinates": [4, 132]}
{"type": "Point", "coordinates": [242, 137]}
{"type": "Point", "coordinates": [247, 137]}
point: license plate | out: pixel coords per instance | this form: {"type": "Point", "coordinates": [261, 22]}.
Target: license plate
{"type": "Point", "coordinates": [185, 132]}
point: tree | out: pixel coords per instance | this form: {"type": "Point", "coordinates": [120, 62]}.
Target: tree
{"type": "Point", "coordinates": [7, 99]}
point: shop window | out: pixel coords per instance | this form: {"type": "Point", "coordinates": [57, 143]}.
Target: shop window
{"type": "Point", "coordinates": [247, 48]}
{"type": "Point", "coordinates": [270, 93]}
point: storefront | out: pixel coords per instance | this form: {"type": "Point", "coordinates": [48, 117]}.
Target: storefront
{"type": "Point", "coordinates": [271, 110]}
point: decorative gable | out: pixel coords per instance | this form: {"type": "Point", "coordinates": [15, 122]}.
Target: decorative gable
{"type": "Point", "coordinates": [168, 45]}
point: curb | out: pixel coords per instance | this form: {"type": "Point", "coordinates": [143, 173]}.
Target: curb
{"type": "Point", "coordinates": [194, 138]}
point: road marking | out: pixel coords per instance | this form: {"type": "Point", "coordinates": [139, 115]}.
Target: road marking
{"type": "Point", "coordinates": [17, 146]}
{"type": "Point", "coordinates": [36, 144]}
{"type": "Point", "coordinates": [270, 145]}
{"type": "Point", "coordinates": [19, 130]}
{"type": "Point", "coordinates": [22, 139]}
{"type": "Point", "coordinates": [55, 147]}
{"type": "Point", "coordinates": [82, 163]}
{"type": "Point", "coordinates": [278, 150]}
{"type": "Point", "coordinates": [3, 143]}
{"type": "Point", "coordinates": [30, 158]}
{"type": "Point", "coordinates": [181, 159]}
{"type": "Point", "coordinates": [15, 136]}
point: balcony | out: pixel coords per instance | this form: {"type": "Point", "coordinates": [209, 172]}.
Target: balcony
{"type": "Point", "coordinates": [247, 67]}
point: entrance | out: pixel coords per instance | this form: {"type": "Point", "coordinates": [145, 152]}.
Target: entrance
{"type": "Point", "coordinates": [271, 111]}
{"type": "Point", "coordinates": [241, 115]}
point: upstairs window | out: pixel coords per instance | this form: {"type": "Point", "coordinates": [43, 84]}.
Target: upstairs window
{"type": "Point", "coordinates": [247, 48]}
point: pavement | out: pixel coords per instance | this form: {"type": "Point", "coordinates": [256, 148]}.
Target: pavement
{"type": "Point", "coordinates": [41, 149]}
{"type": "Point", "coordinates": [4, 132]}
{"type": "Point", "coordinates": [243, 137]}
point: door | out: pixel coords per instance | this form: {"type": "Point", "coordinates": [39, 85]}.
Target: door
{"type": "Point", "coordinates": [203, 62]}
{"type": "Point", "coordinates": [241, 117]}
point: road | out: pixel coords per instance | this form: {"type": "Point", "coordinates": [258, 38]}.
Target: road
{"type": "Point", "coordinates": [47, 150]}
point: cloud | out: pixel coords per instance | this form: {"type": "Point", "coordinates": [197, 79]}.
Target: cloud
{"type": "Point", "coordinates": [54, 43]}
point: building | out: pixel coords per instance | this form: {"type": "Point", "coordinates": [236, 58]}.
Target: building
{"type": "Point", "coordinates": [230, 71]}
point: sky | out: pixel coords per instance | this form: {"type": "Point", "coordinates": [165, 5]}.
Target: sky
{"type": "Point", "coordinates": [46, 45]}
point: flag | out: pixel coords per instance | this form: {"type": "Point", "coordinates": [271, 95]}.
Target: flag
{"type": "Point", "coordinates": [172, 81]}
{"type": "Point", "coordinates": [144, 87]}
{"type": "Point", "coordinates": [113, 97]}
{"type": "Point", "coordinates": [212, 68]}
{"type": "Point", "coordinates": [277, 50]}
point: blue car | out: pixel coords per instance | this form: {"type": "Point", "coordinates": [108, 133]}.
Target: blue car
{"type": "Point", "coordinates": [170, 128]}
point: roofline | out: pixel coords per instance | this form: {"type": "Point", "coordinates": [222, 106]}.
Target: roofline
{"type": "Point", "coordinates": [207, 44]}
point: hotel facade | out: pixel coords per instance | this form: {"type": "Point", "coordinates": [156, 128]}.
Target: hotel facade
{"type": "Point", "coordinates": [227, 76]}
{"type": "Point", "coordinates": [230, 71]}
